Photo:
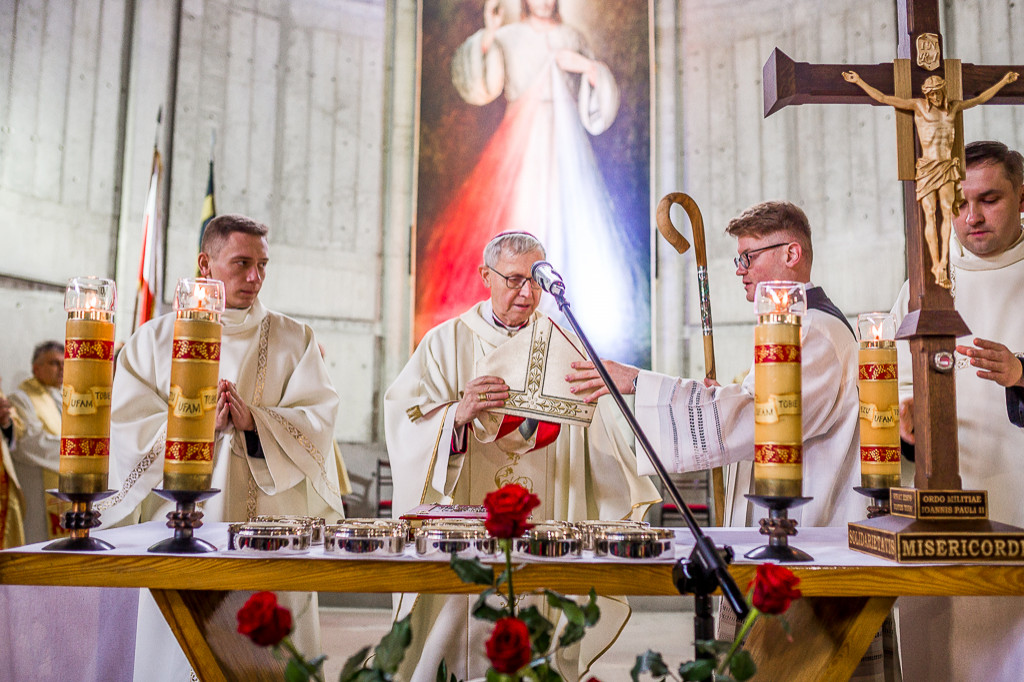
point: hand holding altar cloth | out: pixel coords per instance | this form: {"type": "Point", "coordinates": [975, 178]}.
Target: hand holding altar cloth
{"type": "Point", "coordinates": [534, 367]}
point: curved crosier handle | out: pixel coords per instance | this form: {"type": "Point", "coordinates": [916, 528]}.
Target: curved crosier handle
{"type": "Point", "coordinates": [664, 220]}
{"type": "Point", "coordinates": [681, 245]}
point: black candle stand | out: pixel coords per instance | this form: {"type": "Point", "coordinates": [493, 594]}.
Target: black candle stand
{"type": "Point", "coordinates": [184, 519]}
{"type": "Point", "coordinates": [880, 497]}
{"type": "Point", "coordinates": [81, 519]}
{"type": "Point", "coordinates": [778, 527]}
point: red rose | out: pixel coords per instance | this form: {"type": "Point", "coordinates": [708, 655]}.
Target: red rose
{"type": "Point", "coordinates": [774, 589]}
{"type": "Point", "coordinates": [508, 649]}
{"type": "Point", "coordinates": [263, 621]}
{"type": "Point", "coordinates": [508, 508]}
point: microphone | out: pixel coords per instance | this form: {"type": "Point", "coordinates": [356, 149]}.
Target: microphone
{"type": "Point", "coordinates": [548, 279]}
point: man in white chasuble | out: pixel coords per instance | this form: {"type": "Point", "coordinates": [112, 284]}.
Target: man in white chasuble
{"type": "Point", "coordinates": [36, 450]}
{"type": "Point", "coordinates": [978, 638]}
{"type": "Point", "coordinates": [276, 409]}
{"type": "Point", "coordinates": [696, 424]}
{"type": "Point", "coordinates": [446, 446]}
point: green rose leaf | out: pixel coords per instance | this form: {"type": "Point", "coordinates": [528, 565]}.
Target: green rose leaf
{"type": "Point", "coordinates": [391, 650]}
{"type": "Point", "coordinates": [649, 661]}
{"type": "Point", "coordinates": [540, 628]}
{"type": "Point", "coordinates": [353, 665]}
{"type": "Point", "coordinates": [742, 665]}
{"type": "Point", "coordinates": [295, 672]}
{"type": "Point", "coordinates": [573, 612]}
{"type": "Point", "coordinates": [545, 673]}
{"type": "Point", "coordinates": [697, 671]}
{"type": "Point", "coordinates": [472, 572]}
{"type": "Point", "coordinates": [443, 675]}
{"type": "Point", "coordinates": [484, 611]}
{"type": "Point", "coordinates": [591, 611]}
{"type": "Point", "coordinates": [571, 633]}
{"type": "Point", "coordinates": [495, 676]}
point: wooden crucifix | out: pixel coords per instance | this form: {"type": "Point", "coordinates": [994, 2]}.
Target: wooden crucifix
{"type": "Point", "coordinates": [933, 324]}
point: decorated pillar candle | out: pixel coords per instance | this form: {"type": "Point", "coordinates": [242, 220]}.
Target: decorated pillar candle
{"type": "Point", "coordinates": [778, 433]}
{"type": "Point", "coordinates": [195, 367]}
{"type": "Point", "coordinates": [88, 376]}
{"type": "Point", "coordinates": [879, 401]}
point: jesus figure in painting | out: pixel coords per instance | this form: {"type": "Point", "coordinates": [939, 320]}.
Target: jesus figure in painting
{"type": "Point", "coordinates": [538, 173]}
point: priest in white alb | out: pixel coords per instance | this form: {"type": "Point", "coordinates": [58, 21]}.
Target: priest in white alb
{"type": "Point", "coordinates": [447, 445]}
{"type": "Point", "coordinates": [978, 638]}
{"type": "Point", "coordinates": [276, 409]}
{"type": "Point", "coordinates": [695, 424]}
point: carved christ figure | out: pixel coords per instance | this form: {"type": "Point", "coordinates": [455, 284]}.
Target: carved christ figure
{"type": "Point", "coordinates": [938, 173]}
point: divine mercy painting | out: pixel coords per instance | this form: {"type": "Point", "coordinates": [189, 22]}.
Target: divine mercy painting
{"type": "Point", "coordinates": [535, 116]}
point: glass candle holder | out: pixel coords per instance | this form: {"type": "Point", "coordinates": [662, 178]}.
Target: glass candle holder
{"type": "Point", "coordinates": [778, 433]}
{"type": "Point", "coordinates": [879, 401]}
{"type": "Point", "coordinates": [195, 367]}
{"type": "Point", "coordinates": [90, 303]}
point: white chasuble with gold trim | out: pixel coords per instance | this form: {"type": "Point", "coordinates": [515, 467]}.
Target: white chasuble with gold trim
{"type": "Point", "coordinates": [587, 473]}
{"type": "Point", "coordinates": [279, 371]}
{"type": "Point", "coordinates": [276, 364]}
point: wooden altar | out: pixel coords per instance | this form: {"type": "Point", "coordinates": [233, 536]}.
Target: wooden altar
{"type": "Point", "coordinates": [847, 594]}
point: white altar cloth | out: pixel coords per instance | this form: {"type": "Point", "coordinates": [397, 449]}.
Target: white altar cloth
{"type": "Point", "coordinates": [67, 634]}
{"type": "Point", "coordinates": [88, 633]}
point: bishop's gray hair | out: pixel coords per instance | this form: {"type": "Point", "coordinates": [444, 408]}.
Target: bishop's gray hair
{"type": "Point", "coordinates": [46, 347]}
{"type": "Point", "coordinates": [513, 244]}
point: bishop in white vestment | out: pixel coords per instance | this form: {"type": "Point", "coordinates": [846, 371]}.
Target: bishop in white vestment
{"type": "Point", "coordinates": [274, 450]}
{"type": "Point", "coordinates": [974, 638]}
{"type": "Point", "coordinates": [439, 453]}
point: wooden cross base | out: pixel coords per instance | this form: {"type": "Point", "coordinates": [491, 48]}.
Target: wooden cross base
{"type": "Point", "coordinates": [929, 526]}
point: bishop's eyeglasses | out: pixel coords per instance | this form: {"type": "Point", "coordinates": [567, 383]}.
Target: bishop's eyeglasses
{"type": "Point", "coordinates": [516, 281]}
{"type": "Point", "coordinates": [744, 259]}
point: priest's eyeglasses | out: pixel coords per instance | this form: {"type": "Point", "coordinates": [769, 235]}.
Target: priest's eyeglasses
{"type": "Point", "coordinates": [516, 281]}
{"type": "Point", "coordinates": [744, 259]}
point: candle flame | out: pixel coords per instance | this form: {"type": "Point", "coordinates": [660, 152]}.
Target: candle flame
{"type": "Point", "coordinates": [876, 332]}
{"type": "Point", "coordinates": [780, 298]}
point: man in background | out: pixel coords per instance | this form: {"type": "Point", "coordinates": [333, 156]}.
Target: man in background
{"type": "Point", "coordinates": [36, 451]}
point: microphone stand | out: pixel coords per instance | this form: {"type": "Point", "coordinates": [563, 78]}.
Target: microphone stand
{"type": "Point", "coordinates": [705, 569]}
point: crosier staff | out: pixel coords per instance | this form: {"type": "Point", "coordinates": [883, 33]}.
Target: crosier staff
{"type": "Point", "coordinates": [681, 245]}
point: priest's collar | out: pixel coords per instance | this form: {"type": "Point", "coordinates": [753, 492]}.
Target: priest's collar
{"type": "Point", "coordinates": [965, 260]}
{"type": "Point", "coordinates": [238, 320]}
{"type": "Point", "coordinates": [498, 324]}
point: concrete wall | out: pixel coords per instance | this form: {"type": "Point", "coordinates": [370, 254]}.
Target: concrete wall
{"type": "Point", "coordinates": [313, 103]}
